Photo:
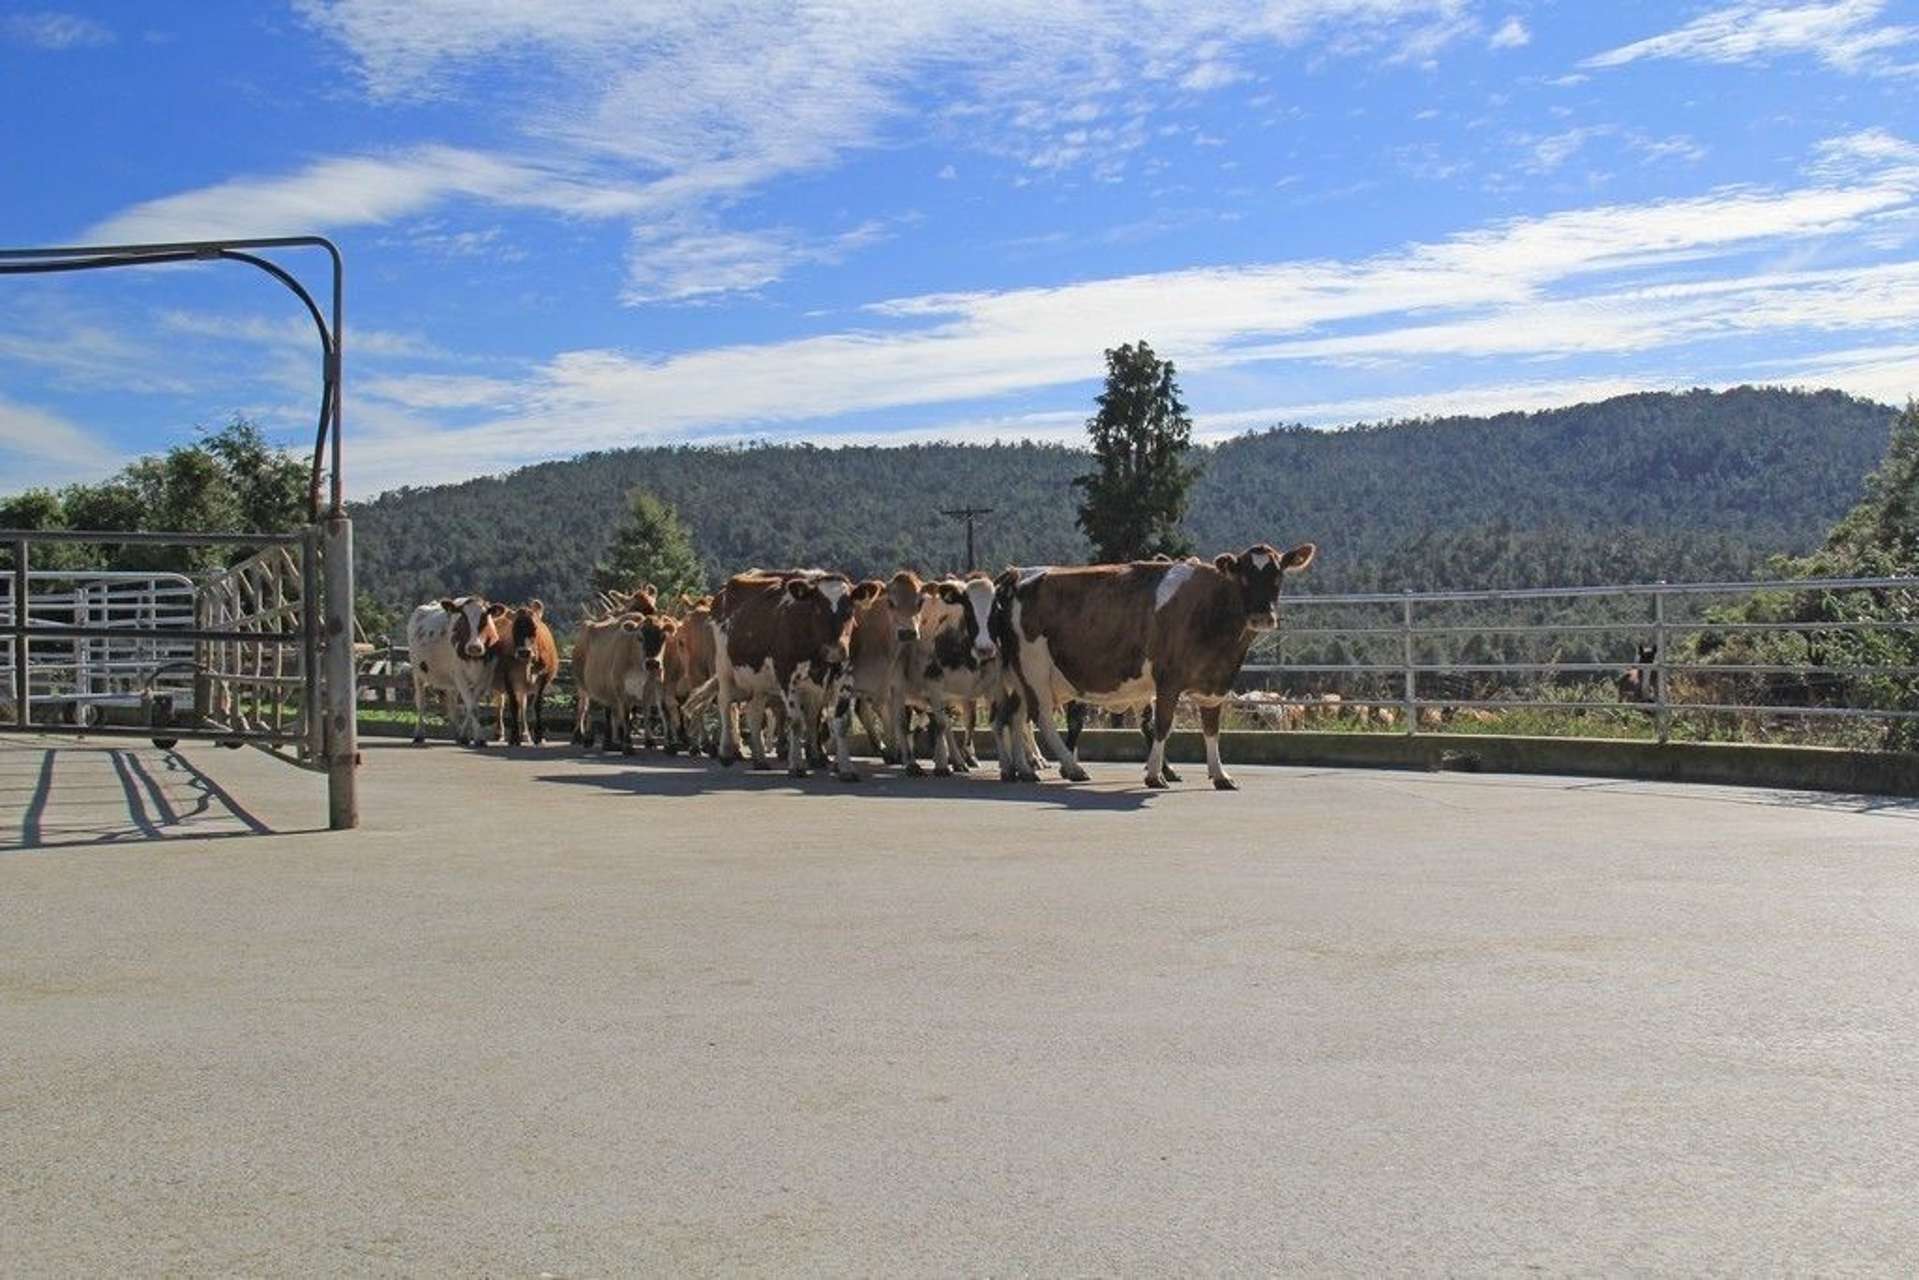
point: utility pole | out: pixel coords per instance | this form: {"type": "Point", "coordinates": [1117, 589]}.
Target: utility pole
{"type": "Point", "coordinates": [969, 514]}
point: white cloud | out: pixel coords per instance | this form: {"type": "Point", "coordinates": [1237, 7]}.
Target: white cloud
{"type": "Point", "coordinates": [1582, 283]}
{"type": "Point", "coordinates": [1845, 35]}
{"type": "Point", "coordinates": [1511, 34]}
{"type": "Point", "coordinates": [46, 29]}
{"type": "Point", "coordinates": [39, 447]}
{"type": "Point", "coordinates": [701, 264]}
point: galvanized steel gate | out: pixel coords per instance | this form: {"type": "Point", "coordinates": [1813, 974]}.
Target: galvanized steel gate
{"type": "Point", "coordinates": [265, 656]}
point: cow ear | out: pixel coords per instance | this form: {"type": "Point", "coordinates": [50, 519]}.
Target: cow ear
{"type": "Point", "coordinates": [537, 609]}
{"type": "Point", "coordinates": [449, 604]}
{"type": "Point", "coordinates": [631, 624]}
{"type": "Point", "coordinates": [495, 610]}
{"type": "Point", "coordinates": [929, 589]}
{"type": "Point", "coordinates": [649, 589]}
{"type": "Point", "coordinates": [1226, 562]}
{"type": "Point", "coordinates": [950, 593]}
{"type": "Point", "coordinates": [798, 588]}
{"type": "Point", "coordinates": [1298, 558]}
{"type": "Point", "coordinates": [867, 590]}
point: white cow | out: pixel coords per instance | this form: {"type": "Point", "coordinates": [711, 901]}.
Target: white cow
{"type": "Point", "coordinates": [449, 645]}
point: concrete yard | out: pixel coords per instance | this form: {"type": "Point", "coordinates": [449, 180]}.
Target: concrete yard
{"type": "Point", "coordinates": [591, 1016]}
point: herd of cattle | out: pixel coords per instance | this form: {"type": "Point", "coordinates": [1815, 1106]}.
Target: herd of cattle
{"type": "Point", "coordinates": [811, 649]}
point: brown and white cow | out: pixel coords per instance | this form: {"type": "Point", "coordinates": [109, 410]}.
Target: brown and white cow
{"type": "Point", "coordinates": [525, 660]}
{"type": "Point", "coordinates": [449, 645]}
{"type": "Point", "coordinates": [1119, 635]}
{"type": "Point", "coordinates": [616, 662]}
{"type": "Point", "coordinates": [955, 659]}
{"type": "Point", "coordinates": [785, 637]}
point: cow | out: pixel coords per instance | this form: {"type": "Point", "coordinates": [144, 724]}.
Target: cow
{"type": "Point", "coordinates": [954, 659]}
{"type": "Point", "coordinates": [886, 621]}
{"type": "Point", "coordinates": [783, 636]}
{"type": "Point", "coordinates": [1636, 683]}
{"type": "Point", "coordinates": [1116, 635]}
{"type": "Point", "coordinates": [687, 660]}
{"type": "Point", "coordinates": [450, 645]}
{"type": "Point", "coordinates": [616, 661]}
{"type": "Point", "coordinates": [525, 660]}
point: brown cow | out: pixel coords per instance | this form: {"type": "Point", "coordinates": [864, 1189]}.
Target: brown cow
{"type": "Point", "coordinates": [784, 636]}
{"type": "Point", "coordinates": [885, 623]}
{"type": "Point", "coordinates": [1118, 634]}
{"type": "Point", "coordinates": [955, 660]}
{"type": "Point", "coordinates": [688, 667]}
{"type": "Point", "coordinates": [614, 661]}
{"type": "Point", "coordinates": [525, 660]}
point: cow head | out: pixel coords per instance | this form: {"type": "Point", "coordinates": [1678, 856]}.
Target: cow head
{"type": "Point", "coordinates": [523, 630]}
{"type": "Point", "coordinates": [1259, 573]}
{"type": "Point", "coordinates": [473, 631]}
{"type": "Point", "coordinates": [829, 598]}
{"type": "Point", "coordinates": [643, 599]}
{"type": "Point", "coordinates": [655, 631]}
{"type": "Point", "coordinates": [903, 600]}
{"type": "Point", "coordinates": [972, 599]}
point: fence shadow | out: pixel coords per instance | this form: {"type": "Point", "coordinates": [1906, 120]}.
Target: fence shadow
{"type": "Point", "coordinates": [75, 796]}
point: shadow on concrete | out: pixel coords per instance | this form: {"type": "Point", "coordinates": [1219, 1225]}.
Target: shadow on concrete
{"type": "Point", "coordinates": [54, 797]}
{"type": "Point", "coordinates": [1718, 793]}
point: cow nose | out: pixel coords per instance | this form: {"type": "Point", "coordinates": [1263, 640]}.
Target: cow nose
{"type": "Point", "coordinates": [654, 666]}
{"type": "Point", "coordinates": [474, 650]}
{"type": "Point", "coordinates": [908, 633]}
{"type": "Point", "coordinates": [834, 654]}
{"type": "Point", "coordinates": [523, 653]}
{"type": "Point", "coordinates": [985, 649]}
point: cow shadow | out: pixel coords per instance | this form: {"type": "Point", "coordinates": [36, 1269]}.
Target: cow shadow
{"type": "Point", "coordinates": [658, 774]}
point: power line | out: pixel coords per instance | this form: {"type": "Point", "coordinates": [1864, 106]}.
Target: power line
{"type": "Point", "coordinates": [969, 514]}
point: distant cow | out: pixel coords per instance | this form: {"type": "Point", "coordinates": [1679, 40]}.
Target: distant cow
{"type": "Point", "coordinates": [783, 636]}
{"type": "Point", "coordinates": [1119, 634]}
{"type": "Point", "coordinates": [450, 646]}
{"type": "Point", "coordinates": [614, 662]}
{"type": "Point", "coordinates": [525, 660]}
{"type": "Point", "coordinates": [1636, 684]}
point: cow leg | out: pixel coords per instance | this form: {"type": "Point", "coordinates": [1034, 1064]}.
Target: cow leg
{"type": "Point", "coordinates": [1164, 704]}
{"type": "Point", "coordinates": [1041, 715]}
{"type": "Point", "coordinates": [539, 712]}
{"type": "Point", "coordinates": [476, 733]}
{"type": "Point", "coordinates": [870, 721]}
{"type": "Point", "coordinates": [842, 721]}
{"type": "Point", "coordinates": [1146, 732]}
{"type": "Point", "coordinates": [1209, 725]}
{"type": "Point", "coordinates": [419, 708]}
{"type": "Point", "coordinates": [969, 756]}
{"type": "Point", "coordinates": [942, 739]}
{"type": "Point", "coordinates": [1075, 723]}
{"type": "Point", "coordinates": [798, 726]}
{"type": "Point", "coordinates": [755, 718]}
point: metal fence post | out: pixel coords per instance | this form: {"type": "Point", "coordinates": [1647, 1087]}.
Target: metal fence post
{"type": "Point", "coordinates": [337, 689]}
{"type": "Point", "coordinates": [1662, 714]}
{"type": "Point", "coordinates": [1406, 637]}
{"type": "Point", "coordinates": [22, 696]}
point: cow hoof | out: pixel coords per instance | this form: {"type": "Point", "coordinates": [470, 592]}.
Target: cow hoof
{"type": "Point", "coordinates": [915, 770]}
{"type": "Point", "coordinates": [727, 762]}
{"type": "Point", "coordinates": [800, 772]}
{"type": "Point", "coordinates": [1075, 774]}
{"type": "Point", "coordinates": [1156, 783]}
{"type": "Point", "coordinates": [848, 776]}
{"type": "Point", "coordinates": [763, 766]}
{"type": "Point", "coordinates": [1171, 776]}
{"type": "Point", "coordinates": [941, 771]}
{"type": "Point", "coordinates": [419, 739]}
{"type": "Point", "coordinates": [629, 750]}
{"type": "Point", "coordinates": [479, 744]}
{"type": "Point", "coordinates": [1224, 784]}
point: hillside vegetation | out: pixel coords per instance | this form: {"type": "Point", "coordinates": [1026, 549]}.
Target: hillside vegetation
{"type": "Point", "coordinates": [1688, 485]}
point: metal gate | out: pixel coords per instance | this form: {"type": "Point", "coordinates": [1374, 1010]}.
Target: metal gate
{"type": "Point", "coordinates": [262, 652]}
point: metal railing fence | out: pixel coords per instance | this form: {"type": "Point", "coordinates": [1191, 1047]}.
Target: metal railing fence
{"type": "Point", "coordinates": [1413, 653]}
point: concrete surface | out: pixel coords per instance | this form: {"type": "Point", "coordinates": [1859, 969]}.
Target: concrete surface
{"type": "Point", "coordinates": [572, 1016]}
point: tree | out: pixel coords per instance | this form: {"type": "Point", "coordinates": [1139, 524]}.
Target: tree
{"type": "Point", "coordinates": [651, 546]}
{"type": "Point", "coordinates": [1137, 495]}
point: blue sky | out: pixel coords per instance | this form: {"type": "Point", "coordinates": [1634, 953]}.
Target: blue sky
{"type": "Point", "coordinates": [574, 226]}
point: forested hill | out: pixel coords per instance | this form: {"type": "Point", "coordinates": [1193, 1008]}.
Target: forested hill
{"type": "Point", "coordinates": [1642, 486]}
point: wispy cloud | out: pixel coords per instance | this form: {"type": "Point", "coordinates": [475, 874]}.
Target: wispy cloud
{"type": "Point", "coordinates": [1510, 34]}
{"type": "Point", "coordinates": [1845, 35]}
{"type": "Point", "coordinates": [694, 265]}
{"type": "Point", "coordinates": [48, 29]}
{"type": "Point", "coordinates": [1627, 280]}
{"type": "Point", "coordinates": [669, 113]}
{"type": "Point", "coordinates": [39, 447]}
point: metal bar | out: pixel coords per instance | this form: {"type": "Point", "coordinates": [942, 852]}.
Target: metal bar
{"type": "Point", "coordinates": [341, 702]}
{"type": "Point", "coordinates": [1411, 697]}
{"type": "Point", "coordinates": [315, 746]}
{"type": "Point", "coordinates": [1662, 714]}
{"type": "Point", "coordinates": [1791, 586]}
{"type": "Point", "coordinates": [209, 734]}
{"type": "Point", "coordinates": [130, 539]}
{"type": "Point", "coordinates": [22, 694]}
{"type": "Point", "coordinates": [56, 631]}
{"type": "Point", "coordinates": [1496, 668]}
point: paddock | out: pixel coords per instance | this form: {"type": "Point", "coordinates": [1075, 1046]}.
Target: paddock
{"type": "Point", "coordinates": [551, 1014]}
